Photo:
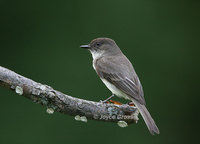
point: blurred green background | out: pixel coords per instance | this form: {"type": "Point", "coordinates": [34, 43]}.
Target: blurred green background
{"type": "Point", "coordinates": [40, 39]}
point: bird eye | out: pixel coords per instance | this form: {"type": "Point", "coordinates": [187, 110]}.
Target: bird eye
{"type": "Point", "coordinates": [98, 44]}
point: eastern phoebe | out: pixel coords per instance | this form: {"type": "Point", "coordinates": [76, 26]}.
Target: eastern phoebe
{"type": "Point", "coordinates": [118, 74]}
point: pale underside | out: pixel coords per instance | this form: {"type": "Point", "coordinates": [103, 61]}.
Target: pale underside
{"type": "Point", "coordinates": [115, 90]}
{"type": "Point", "coordinates": [110, 86]}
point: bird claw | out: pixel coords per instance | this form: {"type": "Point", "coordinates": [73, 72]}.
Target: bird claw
{"type": "Point", "coordinates": [106, 100]}
{"type": "Point", "coordinates": [103, 101]}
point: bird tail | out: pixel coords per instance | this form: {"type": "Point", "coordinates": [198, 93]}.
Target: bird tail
{"type": "Point", "coordinates": [147, 118]}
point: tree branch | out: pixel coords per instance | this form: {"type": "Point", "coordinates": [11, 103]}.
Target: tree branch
{"type": "Point", "coordinates": [57, 101]}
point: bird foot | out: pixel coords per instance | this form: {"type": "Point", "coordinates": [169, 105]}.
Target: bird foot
{"type": "Point", "coordinates": [106, 100]}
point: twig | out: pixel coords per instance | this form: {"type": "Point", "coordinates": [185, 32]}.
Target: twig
{"type": "Point", "coordinates": [57, 101]}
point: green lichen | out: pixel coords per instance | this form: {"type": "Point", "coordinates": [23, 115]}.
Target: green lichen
{"type": "Point", "coordinates": [122, 124]}
{"type": "Point", "coordinates": [50, 110]}
{"type": "Point", "coordinates": [19, 90]}
{"type": "Point", "coordinates": [80, 118]}
{"type": "Point", "coordinates": [112, 111]}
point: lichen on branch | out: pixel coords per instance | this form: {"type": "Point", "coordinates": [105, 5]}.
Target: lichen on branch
{"type": "Point", "coordinates": [57, 101]}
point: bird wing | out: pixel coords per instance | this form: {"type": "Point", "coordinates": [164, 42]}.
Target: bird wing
{"type": "Point", "coordinates": [122, 76]}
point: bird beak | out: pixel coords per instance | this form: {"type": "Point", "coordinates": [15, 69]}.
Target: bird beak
{"type": "Point", "coordinates": [85, 46]}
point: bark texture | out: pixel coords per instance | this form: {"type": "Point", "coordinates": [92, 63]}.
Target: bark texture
{"type": "Point", "coordinates": [57, 101]}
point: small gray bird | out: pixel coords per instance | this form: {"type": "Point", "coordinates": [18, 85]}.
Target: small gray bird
{"type": "Point", "coordinates": [119, 76]}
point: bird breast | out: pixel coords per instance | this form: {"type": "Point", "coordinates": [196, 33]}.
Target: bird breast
{"type": "Point", "coordinates": [95, 56]}
{"type": "Point", "coordinates": [115, 90]}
